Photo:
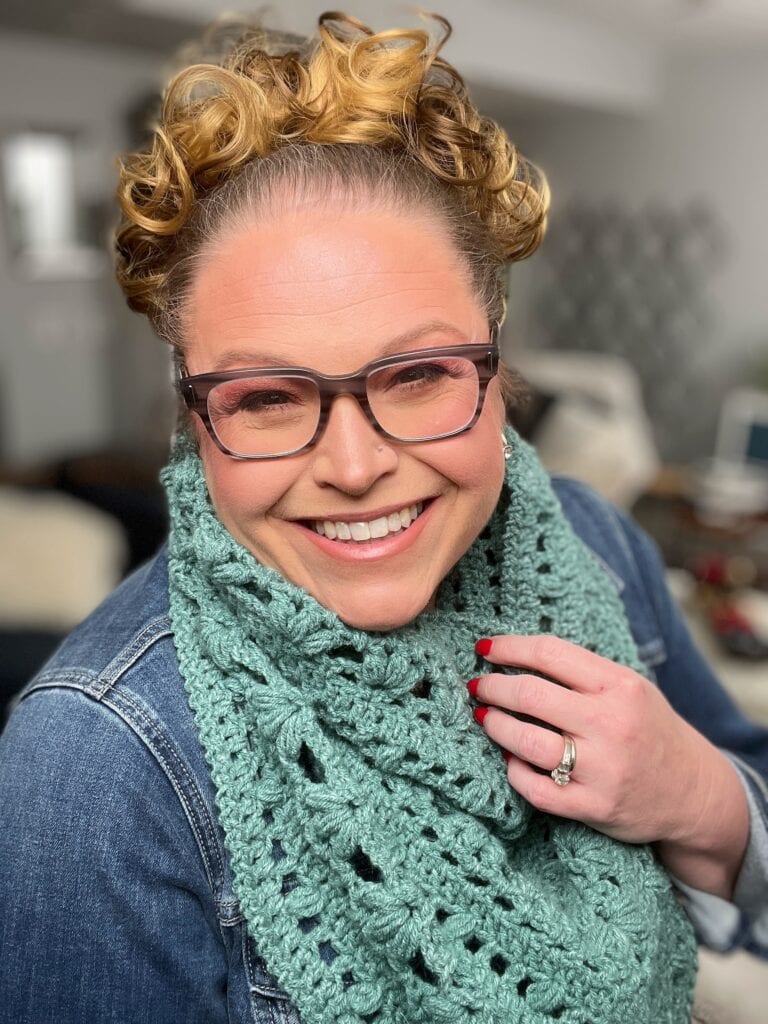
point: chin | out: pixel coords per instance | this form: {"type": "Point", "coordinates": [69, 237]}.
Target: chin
{"type": "Point", "coordinates": [379, 613]}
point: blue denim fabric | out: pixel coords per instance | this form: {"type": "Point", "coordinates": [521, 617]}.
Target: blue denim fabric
{"type": "Point", "coordinates": [116, 891]}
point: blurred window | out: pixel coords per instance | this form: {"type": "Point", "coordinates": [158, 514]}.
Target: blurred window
{"type": "Point", "coordinates": [48, 229]}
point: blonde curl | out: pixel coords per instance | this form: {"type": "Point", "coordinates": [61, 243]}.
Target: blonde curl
{"type": "Point", "coordinates": [388, 91]}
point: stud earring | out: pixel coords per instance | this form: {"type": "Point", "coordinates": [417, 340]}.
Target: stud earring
{"type": "Point", "coordinates": [507, 449]}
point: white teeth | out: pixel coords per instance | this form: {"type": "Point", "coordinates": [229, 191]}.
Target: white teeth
{"type": "Point", "coordinates": [379, 528]}
{"type": "Point", "coordinates": [374, 529]}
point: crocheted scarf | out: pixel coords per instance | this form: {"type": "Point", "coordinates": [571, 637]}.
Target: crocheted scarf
{"type": "Point", "coordinates": [386, 869]}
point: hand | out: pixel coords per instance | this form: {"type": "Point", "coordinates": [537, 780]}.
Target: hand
{"type": "Point", "coordinates": [642, 773]}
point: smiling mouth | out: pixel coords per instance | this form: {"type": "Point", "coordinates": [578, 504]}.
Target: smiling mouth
{"type": "Point", "coordinates": [360, 531]}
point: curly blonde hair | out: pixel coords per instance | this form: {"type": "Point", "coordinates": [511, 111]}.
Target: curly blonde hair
{"type": "Point", "coordinates": [379, 115]}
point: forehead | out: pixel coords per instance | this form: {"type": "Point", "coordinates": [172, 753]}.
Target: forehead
{"type": "Point", "coordinates": [328, 288]}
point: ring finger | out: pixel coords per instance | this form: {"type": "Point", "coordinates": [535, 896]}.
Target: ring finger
{"type": "Point", "coordinates": [532, 743]}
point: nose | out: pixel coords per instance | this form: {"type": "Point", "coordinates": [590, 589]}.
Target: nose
{"type": "Point", "coordinates": [350, 455]}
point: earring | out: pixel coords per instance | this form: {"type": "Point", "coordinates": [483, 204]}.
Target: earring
{"type": "Point", "coordinates": [507, 449]}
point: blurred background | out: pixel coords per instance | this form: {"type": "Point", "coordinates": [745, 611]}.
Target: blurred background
{"type": "Point", "coordinates": [642, 323]}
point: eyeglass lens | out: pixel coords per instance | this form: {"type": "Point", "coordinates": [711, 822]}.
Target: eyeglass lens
{"type": "Point", "coordinates": [414, 400]}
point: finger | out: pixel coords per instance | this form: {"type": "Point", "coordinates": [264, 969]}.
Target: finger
{"type": "Point", "coordinates": [558, 659]}
{"type": "Point", "coordinates": [543, 792]}
{"type": "Point", "coordinates": [534, 744]}
{"type": "Point", "coordinates": [531, 696]}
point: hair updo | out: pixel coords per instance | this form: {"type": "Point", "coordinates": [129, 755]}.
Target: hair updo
{"type": "Point", "coordinates": [379, 117]}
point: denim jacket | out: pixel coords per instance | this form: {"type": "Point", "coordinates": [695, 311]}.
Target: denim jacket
{"type": "Point", "coordinates": [115, 884]}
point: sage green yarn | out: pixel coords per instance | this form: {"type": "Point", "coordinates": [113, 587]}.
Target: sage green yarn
{"type": "Point", "coordinates": [387, 871]}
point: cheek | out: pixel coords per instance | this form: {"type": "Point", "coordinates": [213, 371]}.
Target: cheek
{"type": "Point", "coordinates": [474, 463]}
{"type": "Point", "coordinates": [478, 463]}
{"type": "Point", "coordinates": [241, 492]}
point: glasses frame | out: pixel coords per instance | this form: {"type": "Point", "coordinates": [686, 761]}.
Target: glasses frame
{"type": "Point", "coordinates": [194, 390]}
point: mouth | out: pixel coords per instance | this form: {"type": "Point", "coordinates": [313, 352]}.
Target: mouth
{"type": "Point", "coordinates": [362, 531]}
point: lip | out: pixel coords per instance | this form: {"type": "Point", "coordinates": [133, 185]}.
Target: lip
{"type": "Point", "coordinates": [371, 550]}
{"type": "Point", "coordinates": [368, 517]}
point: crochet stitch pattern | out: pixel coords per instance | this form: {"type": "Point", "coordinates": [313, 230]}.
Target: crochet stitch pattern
{"type": "Point", "coordinates": [387, 871]}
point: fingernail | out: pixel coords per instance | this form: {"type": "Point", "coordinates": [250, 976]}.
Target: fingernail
{"type": "Point", "coordinates": [483, 647]}
{"type": "Point", "coordinates": [472, 686]}
{"type": "Point", "coordinates": [479, 714]}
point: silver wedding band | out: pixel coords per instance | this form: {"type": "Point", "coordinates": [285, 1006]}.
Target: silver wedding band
{"type": "Point", "coordinates": [562, 774]}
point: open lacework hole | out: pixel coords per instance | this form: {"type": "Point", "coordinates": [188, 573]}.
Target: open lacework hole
{"type": "Point", "coordinates": [545, 624]}
{"type": "Point", "coordinates": [364, 867]}
{"type": "Point", "coordinates": [278, 853]}
{"type": "Point", "coordinates": [419, 967]}
{"type": "Point", "coordinates": [308, 924]}
{"type": "Point", "coordinates": [348, 652]}
{"type": "Point", "coordinates": [327, 952]}
{"type": "Point", "coordinates": [309, 764]}
{"type": "Point", "coordinates": [289, 883]}
{"type": "Point", "coordinates": [498, 964]}
{"type": "Point", "coordinates": [423, 688]}
{"type": "Point", "coordinates": [473, 944]}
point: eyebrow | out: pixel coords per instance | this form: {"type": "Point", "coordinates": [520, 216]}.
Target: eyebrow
{"type": "Point", "coordinates": [252, 359]}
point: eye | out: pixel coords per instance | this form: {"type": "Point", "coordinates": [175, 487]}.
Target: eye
{"type": "Point", "coordinates": [269, 397]}
{"type": "Point", "coordinates": [257, 401]}
{"type": "Point", "coordinates": [418, 372]}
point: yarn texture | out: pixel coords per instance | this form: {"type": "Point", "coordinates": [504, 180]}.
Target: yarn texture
{"type": "Point", "coordinates": [386, 869]}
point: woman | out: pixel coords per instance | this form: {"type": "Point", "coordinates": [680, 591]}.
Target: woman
{"type": "Point", "coordinates": [251, 785]}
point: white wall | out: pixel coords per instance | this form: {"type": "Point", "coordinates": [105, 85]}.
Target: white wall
{"type": "Point", "coordinates": [705, 139]}
{"type": "Point", "coordinates": [62, 342]}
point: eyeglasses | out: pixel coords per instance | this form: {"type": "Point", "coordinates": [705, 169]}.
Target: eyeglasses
{"type": "Point", "coordinates": [416, 396]}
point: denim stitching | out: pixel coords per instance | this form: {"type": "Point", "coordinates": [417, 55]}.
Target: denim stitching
{"type": "Point", "coordinates": [83, 682]}
{"type": "Point", "coordinates": [81, 678]}
{"type": "Point", "coordinates": [158, 737]}
{"type": "Point", "coordinates": [153, 631]}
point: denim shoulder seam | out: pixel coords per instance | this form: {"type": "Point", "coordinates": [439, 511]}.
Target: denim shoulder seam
{"type": "Point", "coordinates": [153, 631]}
{"type": "Point", "coordinates": [148, 729]}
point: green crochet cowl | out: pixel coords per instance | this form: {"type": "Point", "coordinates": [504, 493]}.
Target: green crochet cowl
{"type": "Point", "coordinates": [387, 871]}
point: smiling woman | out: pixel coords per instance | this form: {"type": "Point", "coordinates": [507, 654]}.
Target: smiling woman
{"type": "Point", "coordinates": [267, 287]}
{"type": "Point", "coordinates": [270, 765]}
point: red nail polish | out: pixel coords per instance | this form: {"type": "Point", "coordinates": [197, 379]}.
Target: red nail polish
{"type": "Point", "coordinates": [507, 756]}
{"type": "Point", "coordinates": [483, 647]}
{"type": "Point", "coordinates": [472, 686]}
{"type": "Point", "coordinates": [480, 714]}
